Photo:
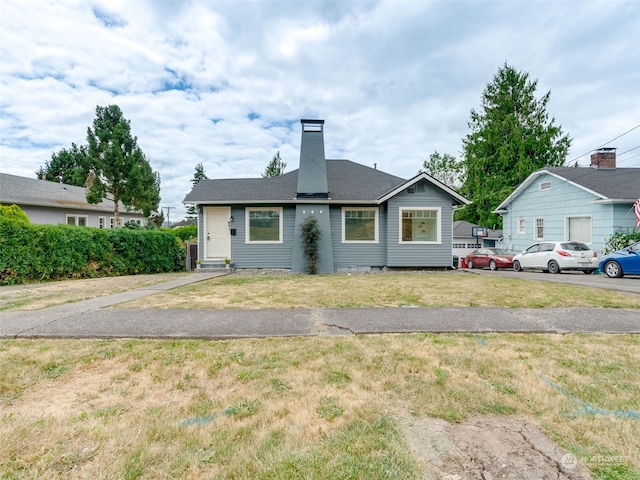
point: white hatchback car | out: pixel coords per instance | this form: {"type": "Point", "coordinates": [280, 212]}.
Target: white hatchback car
{"type": "Point", "coordinates": [553, 257]}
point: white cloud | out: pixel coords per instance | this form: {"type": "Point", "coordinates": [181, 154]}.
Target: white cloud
{"type": "Point", "coordinates": [226, 83]}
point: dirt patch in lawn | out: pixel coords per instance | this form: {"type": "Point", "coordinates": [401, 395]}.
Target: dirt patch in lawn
{"type": "Point", "coordinates": [488, 447]}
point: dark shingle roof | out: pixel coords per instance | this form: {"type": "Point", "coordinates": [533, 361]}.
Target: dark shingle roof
{"type": "Point", "coordinates": [347, 180]}
{"type": "Point", "coordinates": [621, 185]}
{"type": "Point", "coordinates": [614, 183]}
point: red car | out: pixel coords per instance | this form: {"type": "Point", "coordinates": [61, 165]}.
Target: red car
{"type": "Point", "coordinates": [494, 258]}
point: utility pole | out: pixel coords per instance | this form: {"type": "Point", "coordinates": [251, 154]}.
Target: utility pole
{"type": "Point", "coordinates": [168, 216]}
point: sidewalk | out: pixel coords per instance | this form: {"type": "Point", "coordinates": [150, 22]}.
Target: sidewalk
{"type": "Point", "coordinates": [94, 319]}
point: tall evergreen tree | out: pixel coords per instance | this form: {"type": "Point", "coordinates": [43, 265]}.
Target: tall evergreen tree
{"type": "Point", "coordinates": [275, 168]}
{"type": "Point", "coordinates": [511, 137]}
{"type": "Point", "coordinates": [198, 175]}
{"type": "Point", "coordinates": [119, 168]}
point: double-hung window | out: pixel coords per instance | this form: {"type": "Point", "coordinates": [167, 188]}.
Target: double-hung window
{"type": "Point", "coordinates": [521, 226]}
{"type": "Point", "coordinates": [539, 233]}
{"type": "Point", "coordinates": [264, 225]}
{"type": "Point", "coordinates": [420, 225]}
{"type": "Point", "coordinates": [360, 225]}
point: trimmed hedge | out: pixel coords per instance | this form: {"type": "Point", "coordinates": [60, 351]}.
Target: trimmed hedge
{"type": "Point", "coordinates": [188, 233]}
{"type": "Point", "coordinates": [31, 252]}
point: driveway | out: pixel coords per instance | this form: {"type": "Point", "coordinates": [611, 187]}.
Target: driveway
{"type": "Point", "coordinates": [626, 284]}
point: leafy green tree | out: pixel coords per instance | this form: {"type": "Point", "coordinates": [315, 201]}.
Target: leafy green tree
{"type": "Point", "coordinates": [119, 169]}
{"type": "Point", "coordinates": [275, 168]}
{"type": "Point", "coordinates": [67, 166]}
{"type": "Point", "coordinates": [445, 168]}
{"type": "Point", "coordinates": [511, 137]}
{"type": "Point", "coordinates": [198, 175]}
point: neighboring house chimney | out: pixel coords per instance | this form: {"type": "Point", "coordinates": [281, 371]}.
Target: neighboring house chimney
{"type": "Point", "coordinates": [312, 173]}
{"type": "Point", "coordinates": [604, 158]}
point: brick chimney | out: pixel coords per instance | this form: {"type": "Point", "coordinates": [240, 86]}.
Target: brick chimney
{"type": "Point", "coordinates": [604, 158]}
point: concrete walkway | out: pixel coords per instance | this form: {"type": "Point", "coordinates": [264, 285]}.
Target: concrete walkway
{"type": "Point", "coordinates": [94, 319]}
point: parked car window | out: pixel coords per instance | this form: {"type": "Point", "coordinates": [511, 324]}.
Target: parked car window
{"type": "Point", "coordinates": [533, 248]}
{"type": "Point", "coordinates": [575, 247]}
{"type": "Point", "coordinates": [547, 247]}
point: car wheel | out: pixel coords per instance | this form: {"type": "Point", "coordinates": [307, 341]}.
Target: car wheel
{"type": "Point", "coordinates": [516, 266]}
{"type": "Point", "coordinates": [613, 269]}
{"type": "Point", "coordinates": [492, 265]}
{"type": "Point", "coordinates": [553, 267]}
{"type": "Point", "coordinates": [469, 263]}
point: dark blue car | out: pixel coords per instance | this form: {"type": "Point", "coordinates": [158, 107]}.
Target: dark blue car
{"type": "Point", "coordinates": [622, 262]}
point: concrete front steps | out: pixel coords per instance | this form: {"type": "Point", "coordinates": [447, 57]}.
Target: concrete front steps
{"type": "Point", "coordinates": [215, 266]}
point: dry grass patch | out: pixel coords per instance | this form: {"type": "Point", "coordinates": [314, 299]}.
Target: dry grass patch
{"type": "Point", "coordinates": [442, 289]}
{"type": "Point", "coordinates": [50, 294]}
{"type": "Point", "coordinates": [322, 407]}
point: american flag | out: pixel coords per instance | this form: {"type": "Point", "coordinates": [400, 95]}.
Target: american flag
{"type": "Point", "coordinates": [636, 207]}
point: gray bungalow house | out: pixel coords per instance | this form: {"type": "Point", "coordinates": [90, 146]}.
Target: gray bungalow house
{"type": "Point", "coordinates": [369, 220]}
{"type": "Point", "coordinates": [54, 203]}
{"type": "Point", "coordinates": [583, 204]}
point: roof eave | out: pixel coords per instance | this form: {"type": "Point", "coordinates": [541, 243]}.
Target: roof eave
{"type": "Point", "coordinates": [424, 176]}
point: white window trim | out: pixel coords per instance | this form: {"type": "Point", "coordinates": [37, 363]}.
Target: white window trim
{"type": "Point", "coordinates": [247, 221]}
{"type": "Point", "coordinates": [535, 228]}
{"type": "Point", "coordinates": [361, 209]}
{"type": "Point", "coordinates": [544, 185]}
{"type": "Point", "coordinates": [112, 222]}
{"type": "Point", "coordinates": [521, 222]}
{"type": "Point", "coordinates": [438, 241]}
{"type": "Point", "coordinates": [102, 222]}
{"type": "Point", "coordinates": [75, 220]}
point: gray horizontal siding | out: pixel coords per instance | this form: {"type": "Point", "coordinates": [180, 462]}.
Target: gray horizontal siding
{"type": "Point", "coordinates": [432, 255]}
{"type": "Point", "coordinates": [262, 255]}
{"type": "Point", "coordinates": [347, 255]}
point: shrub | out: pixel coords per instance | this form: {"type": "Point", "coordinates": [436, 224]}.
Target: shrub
{"type": "Point", "coordinates": [188, 233]}
{"type": "Point", "coordinates": [14, 212]}
{"type": "Point", "coordinates": [47, 252]}
{"type": "Point", "coordinates": [620, 240]}
{"type": "Point", "coordinates": [311, 243]}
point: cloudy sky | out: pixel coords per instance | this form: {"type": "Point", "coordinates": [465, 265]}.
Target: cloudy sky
{"type": "Point", "coordinates": [225, 83]}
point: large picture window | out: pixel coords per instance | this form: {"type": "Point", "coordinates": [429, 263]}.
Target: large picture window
{"type": "Point", "coordinates": [420, 225]}
{"type": "Point", "coordinates": [359, 225]}
{"type": "Point", "coordinates": [264, 225]}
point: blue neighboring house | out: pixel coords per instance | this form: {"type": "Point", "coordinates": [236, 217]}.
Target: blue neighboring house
{"type": "Point", "coordinates": [369, 220]}
{"type": "Point", "coordinates": [583, 204]}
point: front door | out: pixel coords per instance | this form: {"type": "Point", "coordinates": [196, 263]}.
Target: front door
{"type": "Point", "coordinates": [216, 235]}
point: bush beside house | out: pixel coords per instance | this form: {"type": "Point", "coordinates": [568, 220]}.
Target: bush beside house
{"type": "Point", "coordinates": [31, 252]}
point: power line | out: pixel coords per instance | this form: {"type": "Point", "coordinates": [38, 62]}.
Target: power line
{"type": "Point", "coordinates": [630, 150]}
{"type": "Point", "coordinates": [606, 143]}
